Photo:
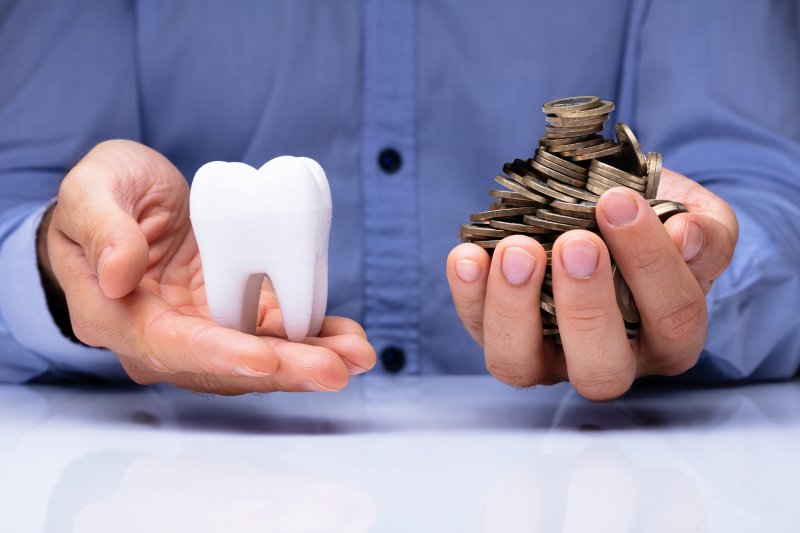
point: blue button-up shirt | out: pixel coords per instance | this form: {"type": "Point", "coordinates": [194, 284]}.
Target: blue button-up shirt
{"type": "Point", "coordinates": [454, 87]}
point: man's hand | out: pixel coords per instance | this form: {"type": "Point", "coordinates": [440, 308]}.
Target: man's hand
{"type": "Point", "coordinates": [121, 247]}
{"type": "Point", "coordinates": [669, 268]}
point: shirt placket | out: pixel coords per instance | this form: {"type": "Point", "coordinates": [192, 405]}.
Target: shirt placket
{"type": "Point", "coordinates": [388, 173]}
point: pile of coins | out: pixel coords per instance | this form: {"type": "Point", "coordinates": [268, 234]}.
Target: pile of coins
{"type": "Point", "coordinates": [558, 188]}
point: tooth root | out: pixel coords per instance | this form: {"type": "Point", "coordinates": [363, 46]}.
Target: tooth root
{"type": "Point", "coordinates": [233, 297]}
{"type": "Point", "coordinates": [294, 286]}
{"type": "Point", "coordinates": [276, 224]}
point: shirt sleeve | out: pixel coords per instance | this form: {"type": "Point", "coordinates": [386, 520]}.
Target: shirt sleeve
{"type": "Point", "coordinates": [59, 96]}
{"type": "Point", "coordinates": [716, 88]}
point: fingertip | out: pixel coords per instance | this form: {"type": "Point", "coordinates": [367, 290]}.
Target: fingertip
{"type": "Point", "coordinates": [319, 368]}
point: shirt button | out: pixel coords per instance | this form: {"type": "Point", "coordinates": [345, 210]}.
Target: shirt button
{"type": "Point", "coordinates": [393, 359]}
{"type": "Point", "coordinates": [389, 160]}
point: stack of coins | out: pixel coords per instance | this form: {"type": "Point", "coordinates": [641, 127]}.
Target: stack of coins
{"type": "Point", "coordinates": [558, 188]}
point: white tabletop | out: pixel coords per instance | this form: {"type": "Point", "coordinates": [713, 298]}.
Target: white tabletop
{"type": "Point", "coordinates": [400, 455]}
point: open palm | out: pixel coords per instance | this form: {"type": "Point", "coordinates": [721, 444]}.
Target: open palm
{"type": "Point", "coordinates": [121, 246]}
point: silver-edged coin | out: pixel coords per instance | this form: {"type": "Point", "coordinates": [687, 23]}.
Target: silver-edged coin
{"type": "Point", "coordinates": [502, 213]}
{"type": "Point", "coordinates": [547, 141]}
{"type": "Point", "coordinates": [558, 168]}
{"type": "Point", "coordinates": [631, 153]}
{"type": "Point", "coordinates": [507, 195]}
{"type": "Point", "coordinates": [541, 187]}
{"type": "Point", "coordinates": [602, 145]}
{"type": "Point", "coordinates": [566, 219]}
{"type": "Point", "coordinates": [574, 192]}
{"type": "Point", "coordinates": [596, 189]}
{"type": "Point", "coordinates": [482, 230]}
{"type": "Point", "coordinates": [517, 227]}
{"type": "Point", "coordinates": [582, 209]}
{"type": "Point", "coordinates": [545, 224]}
{"type": "Point", "coordinates": [577, 146]}
{"type": "Point", "coordinates": [521, 189]}
{"type": "Point", "coordinates": [572, 103]}
{"type": "Point", "coordinates": [555, 174]}
{"type": "Point", "coordinates": [557, 132]}
{"type": "Point", "coordinates": [604, 108]}
{"type": "Point", "coordinates": [666, 210]}
{"type": "Point", "coordinates": [548, 304]}
{"type": "Point", "coordinates": [598, 154]}
{"type": "Point", "coordinates": [654, 162]}
{"type": "Point", "coordinates": [558, 120]}
{"type": "Point", "coordinates": [618, 182]}
{"type": "Point", "coordinates": [562, 162]}
{"type": "Point", "coordinates": [505, 203]}
{"type": "Point", "coordinates": [611, 172]}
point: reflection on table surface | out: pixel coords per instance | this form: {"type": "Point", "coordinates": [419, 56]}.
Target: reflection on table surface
{"type": "Point", "coordinates": [408, 454]}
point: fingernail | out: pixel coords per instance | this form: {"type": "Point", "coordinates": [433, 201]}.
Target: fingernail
{"type": "Point", "coordinates": [468, 271]}
{"type": "Point", "coordinates": [620, 207]}
{"type": "Point", "coordinates": [579, 257]}
{"type": "Point", "coordinates": [101, 261]}
{"type": "Point", "coordinates": [517, 265]}
{"type": "Point", "coordinates": [247, 372]}
{"type": "Point", "coordinates": [693, 240]}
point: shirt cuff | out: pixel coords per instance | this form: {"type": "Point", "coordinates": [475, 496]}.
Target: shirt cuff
{"type": "Point", "coordinates": [23, 306]}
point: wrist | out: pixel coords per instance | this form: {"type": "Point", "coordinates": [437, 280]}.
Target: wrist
{"type": "Point", "coordinates": [56, 300]}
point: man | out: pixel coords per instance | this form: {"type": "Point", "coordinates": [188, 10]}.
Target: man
{"type": "Point", "coordinates": [411, 108]}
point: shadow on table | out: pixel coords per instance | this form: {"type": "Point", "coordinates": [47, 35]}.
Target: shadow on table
{"type": "Point", "coordinates": [429, 405]}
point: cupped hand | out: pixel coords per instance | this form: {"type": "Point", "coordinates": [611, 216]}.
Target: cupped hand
{"type": "Point", "coordinates": [121, 247]}
{"type": "Point", "coordinates": [669, 267]}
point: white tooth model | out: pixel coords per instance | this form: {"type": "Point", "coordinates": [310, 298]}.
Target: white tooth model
{"type": "Point", "coordinates": [275, 221]}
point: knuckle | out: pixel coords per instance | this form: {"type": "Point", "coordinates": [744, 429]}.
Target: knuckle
{"type": "Point", "coordinates": [585, 318]}
{"type": "Point", "coordinates": [511, 309]}
{"type": "Point", "coordinates": [647, 260]}
{"type": "Point", "coordinates": [682, 321]}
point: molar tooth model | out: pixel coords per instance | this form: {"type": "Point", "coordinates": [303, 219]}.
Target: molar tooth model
{"type": "Point", "coordinates": [275, 221]}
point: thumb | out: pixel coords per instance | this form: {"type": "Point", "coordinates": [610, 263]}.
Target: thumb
{"type": "Point", "coordinates": [112, 241]}
{"type": "Point", "coordinates": [121, 261]}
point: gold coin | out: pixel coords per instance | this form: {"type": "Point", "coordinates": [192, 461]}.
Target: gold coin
{"type": "Point", "coordinates": [544, 224]}
{"type": "Point", "coordinates": [541, 187]}
{"type": "Point", "coordinates": [632, 152]}
{"type": "Point", "coordinates": [654, 162]}
{"type": "Point", "coordinates": [604, 108]}
{"type": "Point", "coordinates": [564, 148]}
{"type": "Point", "coordinates": [517, 227]}
{"type": "Point", "coordinates": [600, 153]}
{"type": "Point", "coordinates": [603, 145]}
{"type": "Point", "coordinates": [574, 192]}
{"type": "Point", "coordinates": [625, 301]}
{"type": "Point", "coordinates": [481, 230]}
{"type": "Point", "coordinates": [619, 182]}
{"type": "Point", "coordinates": [521, 189]}
{"type": "Point", "coordinates": [549, 172]}
{"type": "Point", "coordinates": [572, 103]}
{"type": "Point", "coordinates": [566, 219]}
{"type": "Point", "coordinates": [607, 170]}
{"type": "Point", "coordinates": [560, 161]}
{"type": "Point", "coordinates": [581, 209]}
{"type": "Point", "coordinates": [502, 213]}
